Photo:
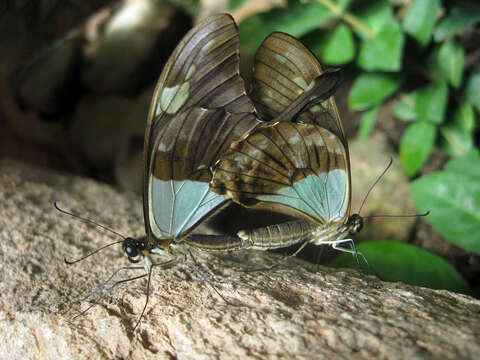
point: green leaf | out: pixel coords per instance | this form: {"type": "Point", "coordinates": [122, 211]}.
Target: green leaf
{"type": "Point", "coordinates": [458, 135]}
{"type": "Point", "coordinates": [456, 140]}
{"type": "Point", "coordinates": [339, 48]}
{"type": "Point", "coordinates": [374, 15]}
{"type": "Point", "coordinates": [420, 19]}
{"type": "Point", "coordinates": [384, 51]}
{"type": "Point", "coordinates": [367, 123]}
{"type": "Point", "coordinates": [472, 87]}
{"type": "Point", "coordinates": [454, 201]}
{"type": "Point", "coordinates": [369, 89]}
{"type": "Point", "coordinates": [462, 15]}
{"type": "Point", "coordinates": [297, 19]}
{"type": "Point", "coordinates": [432, 102]}
{"type": "Point", "coordinates": [396, 261]}
{"type": "Point", "coordinates": [451, 59]}
{"type": "Point", "coordinates": [415, 146]}
{"type": "Point", "coordinates": [465, 165]}
{"type": "Point", "coordinates": [405, 108]}
{"type": "Point", "coordinates": [464, 117]}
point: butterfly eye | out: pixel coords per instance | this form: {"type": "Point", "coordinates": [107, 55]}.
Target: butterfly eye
{"type": "Point", "coordinates": [131, 251]}
{"type": "Point", "coordinates": [131, 247]}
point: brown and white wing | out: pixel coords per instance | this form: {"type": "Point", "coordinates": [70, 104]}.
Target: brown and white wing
{"type": "Point", "coordinates": [288, 78]}
{"type": "Point", "coordinates": [296, 169]}
{"type": "Point", "coordinates": [199, 107]}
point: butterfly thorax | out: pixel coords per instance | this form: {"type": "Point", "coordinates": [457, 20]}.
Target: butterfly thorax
{"type": "Point", "coordinates": [354, 223]}
{"type": "Point", "coordinates": [141, 250]}
{"type": "Point", "coordinates": [332, 232]}
{"type": "Point", "coordinates": [138, 248]}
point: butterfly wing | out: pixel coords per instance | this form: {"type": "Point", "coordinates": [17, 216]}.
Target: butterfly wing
{"type": "Point", "coordinates": [300, 169]}
{"type": "Point", "coordinates": [199, 107]}
{"type": "Point", "coordinates": [295, 169]}
{"type": "Point", "coordinates": [285, 72]}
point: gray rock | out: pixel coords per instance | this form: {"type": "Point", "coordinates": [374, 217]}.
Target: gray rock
{"type": "Point", "coordinates": [290, 312]}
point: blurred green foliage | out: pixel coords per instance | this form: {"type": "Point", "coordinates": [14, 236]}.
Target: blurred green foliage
{"type": "Point", "coordinates": [454, 194]}
{"type": "Point", "coordinates": [414, 53]}
{"type": "Point", "coordinates": [395, 261]}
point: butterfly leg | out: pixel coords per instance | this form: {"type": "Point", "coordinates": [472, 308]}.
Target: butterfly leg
{"type": "Point", "coordinates": [148, 265]}
{"type": "Point", "coordinates": [109, 289]}
{"type": "Point", "coordinates": [282, 260]}
{"type": "Point", "coordinates": [195, 268]}
{"type": "Point", "coordinates": [353, 250]}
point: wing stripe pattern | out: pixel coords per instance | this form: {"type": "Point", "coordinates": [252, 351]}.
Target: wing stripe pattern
{"type": "Point", "coordinates": [284, 70]}
{"type": "Point", "coordinates": [199, 107]}
{"type": "Point", "coordinates": [279, 87]}
{"type": "Point", "coordinates": [311, 184]}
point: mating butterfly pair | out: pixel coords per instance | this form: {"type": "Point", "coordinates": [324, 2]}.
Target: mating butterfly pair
{"type": "Point", "coordinates": [207, 143]}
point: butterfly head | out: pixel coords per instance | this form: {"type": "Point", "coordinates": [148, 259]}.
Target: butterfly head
{"type": "Point", "coordinates": [355, 223]}
{"type": "Point", "coordinates": [135, 248]}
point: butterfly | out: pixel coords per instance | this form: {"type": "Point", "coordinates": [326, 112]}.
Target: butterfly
{"type": "Point", "coordinates": [199, 108]}
{"type": "Point", "coordinates": [297, 165]}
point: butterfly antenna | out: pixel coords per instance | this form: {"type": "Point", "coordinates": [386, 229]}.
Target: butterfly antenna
{"type": "Point", "coordinates": [374, 184]}
{"type": "Point", "coordinates": [88, 221]}
{"type": "Point", "coordinates": [383, 215]}
{"type": "Point", "coordinates": [426, 213]}
{"type": "Point", "coordinates": [70, 262]}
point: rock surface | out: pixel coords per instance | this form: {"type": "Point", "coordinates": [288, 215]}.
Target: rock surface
{"type": "Point", "coordinates": [290, 312]}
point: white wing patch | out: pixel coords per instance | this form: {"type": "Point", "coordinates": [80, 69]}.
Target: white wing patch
{"type": "Point", "coordinates": [177, 206]}
{"type": "Point", "coordinates": [172, 99]}
{"type": "Point", "coordinates": [324, 197]}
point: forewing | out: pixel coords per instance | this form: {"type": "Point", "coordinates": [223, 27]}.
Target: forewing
{"type": "Point", "coordinates": [288, 78]}
{"type": "Point", "coordinates": [300, 170]}
{"type": "Point", "coordinates": [199, 107]}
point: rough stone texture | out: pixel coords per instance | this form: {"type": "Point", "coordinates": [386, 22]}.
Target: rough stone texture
{"type": "Point", "coordinates": [290, 312]}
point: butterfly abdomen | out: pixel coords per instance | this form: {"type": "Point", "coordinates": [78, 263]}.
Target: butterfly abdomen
{"type": "Point", "coordinates": [278, 236]}
{"type": "Point", "coordinates": [216, 242]}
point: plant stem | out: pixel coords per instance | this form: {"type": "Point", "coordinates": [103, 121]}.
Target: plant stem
{"type": "Point", "coordinates": [347, 17]}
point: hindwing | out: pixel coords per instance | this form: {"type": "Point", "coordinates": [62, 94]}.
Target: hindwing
{"type": "Point", "coordinates": [300, 170]}
{"type": "Point", "coordinates": [287, 72]}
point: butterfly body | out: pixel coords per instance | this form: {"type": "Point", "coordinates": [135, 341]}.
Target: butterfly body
{"type": "Point", "coordinates": [205, 146]}
{"type": "Point", "coordinates": [199, 108]}
{"type": "Point", "coordinates": [300, 231]}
